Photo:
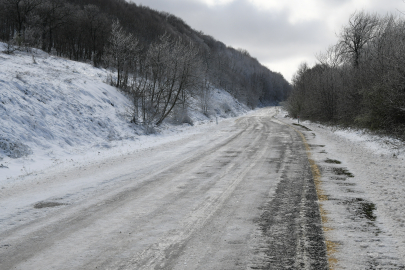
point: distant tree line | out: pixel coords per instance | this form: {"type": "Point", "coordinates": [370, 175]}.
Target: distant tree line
{"type": "Point", "coordinates": [155, 56]}
{"type": "Point", "coordinates": [360, 81]}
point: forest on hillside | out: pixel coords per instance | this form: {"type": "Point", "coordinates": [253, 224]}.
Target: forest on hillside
{"type": "Point", "coordinates": [155, 57]}
{"type": "Point", "coordinates": [358, 82]}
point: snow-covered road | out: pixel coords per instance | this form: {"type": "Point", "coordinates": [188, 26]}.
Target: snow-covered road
{"type": "Point", "coordinates": [238, 195]}
{"type": "Point", "coordinates": [235, 195]}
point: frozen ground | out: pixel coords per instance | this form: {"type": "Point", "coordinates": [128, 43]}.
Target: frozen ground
{"type": "Point", "coordinates": [365, 206]}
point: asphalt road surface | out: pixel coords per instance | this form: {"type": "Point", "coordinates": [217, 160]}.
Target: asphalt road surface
{"type": "Point", "coordinates": [238, 197]}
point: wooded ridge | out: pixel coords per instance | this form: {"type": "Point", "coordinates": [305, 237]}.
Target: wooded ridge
{"type": "Point", "coordinates": [154, 56]}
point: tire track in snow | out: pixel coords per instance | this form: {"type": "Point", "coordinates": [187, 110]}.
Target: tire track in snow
{"type": "Point", "coordinates": [330, 245]}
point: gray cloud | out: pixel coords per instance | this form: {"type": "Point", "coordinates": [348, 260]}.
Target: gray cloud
{"type": "Point", "coordinates": [267, 34]}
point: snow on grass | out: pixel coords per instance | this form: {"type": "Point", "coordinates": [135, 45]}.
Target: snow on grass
{"type": "Point", "coordinates": [53, 111]}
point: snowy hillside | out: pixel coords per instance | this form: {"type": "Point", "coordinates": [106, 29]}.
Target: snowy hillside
{"type": "Point", "coordinates": [52, 109]}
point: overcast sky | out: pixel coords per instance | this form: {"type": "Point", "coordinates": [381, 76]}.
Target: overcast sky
{"type": "Point", "coordinates": [281, 34]}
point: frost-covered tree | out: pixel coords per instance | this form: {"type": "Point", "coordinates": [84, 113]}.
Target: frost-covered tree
{"type": "Point", "coordinates": [165, 78]}
{"type": "Point", "coordinates": [121, 52]}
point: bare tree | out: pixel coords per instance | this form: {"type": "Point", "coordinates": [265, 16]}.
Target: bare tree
{"type": "Point", "coordinates": [52, 15]}
{"type": "Point", "coordinates": [205, 89]}
{"type": "Point", "coordinates": [355, 36]}
{"type": "Point", "coordinates": [96, 26]}
{"type": "Point", "coordinates": [181, 75]}
{"type": "Point", "coordinates": [19, 11]}
{"type": "Point", "coordinates": [169, 72]}
{"type": "Point", "coordinates": [331, 57]}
